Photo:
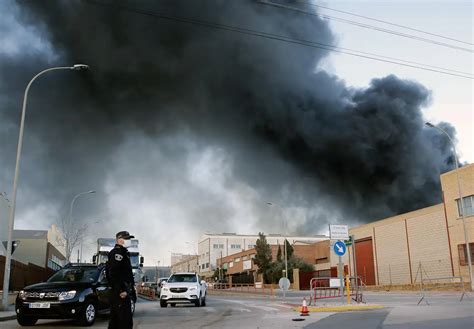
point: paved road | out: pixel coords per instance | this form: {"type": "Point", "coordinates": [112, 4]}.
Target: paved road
{"type": "Point", "coordinates": [220, 312]}
{"type": "Point", "coordinates": [444, 312]}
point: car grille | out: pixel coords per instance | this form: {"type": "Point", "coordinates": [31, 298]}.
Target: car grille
{"type": "Point", "coordinates": [178, 289]}
{"type": "Point", "coordinates": [42, 295]}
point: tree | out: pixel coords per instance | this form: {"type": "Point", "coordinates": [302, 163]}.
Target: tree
{"type": "Point", "coordinates": [263, 258]}
{"type": "Point", "coordinates": [289, 249]}
{"type": "Point", "coordinates": [71, 235]}
{"type": "Point", "coordinates": [299, 263]}
{"type": "Point", "coordinates": [279, 253]}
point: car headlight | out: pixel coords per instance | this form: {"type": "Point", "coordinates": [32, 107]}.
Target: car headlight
{"type": "Point", "coordinates": [22, 294]}
{"type": "Point", "coordinates": [192, 288]}
{"type": "Point", "coordinates": [65, 295]}
{"type": "Point", "coordinates": [165, 289]}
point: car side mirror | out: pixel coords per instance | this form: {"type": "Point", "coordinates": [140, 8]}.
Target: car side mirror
{"type": "Point", "coordinates": [142, 260]}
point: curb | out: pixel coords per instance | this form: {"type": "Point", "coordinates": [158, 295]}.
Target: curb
{"type": "Point", "coordinates": [7, 318]}
{"type": "Point", "coordinates": [343, 308]}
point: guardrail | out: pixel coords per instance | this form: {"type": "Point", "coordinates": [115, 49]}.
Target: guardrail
{"type": "Point", "coordinates": [243, 288]}
{"type": "Point", "coordinates": [321, 288]}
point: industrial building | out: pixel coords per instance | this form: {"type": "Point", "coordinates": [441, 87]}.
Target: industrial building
{"type": "Point", "coordinates": [398, 250]}
{"type": "Point", "coordinates": [40, 247]}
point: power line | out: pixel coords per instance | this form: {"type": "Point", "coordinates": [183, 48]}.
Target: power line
{"type": "Point", "coordinates": [385, 22]}
{"type": "Point", "coordinates": [367, 26]}
{"type": "Point", "coordinates": [271, 36]}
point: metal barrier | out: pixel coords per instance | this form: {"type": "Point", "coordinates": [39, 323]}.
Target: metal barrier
{"type": "Point", "coordinates": [321, 289]}
{"type": "Point", "coordinates": [424, 286]}
{"type": "Point", "coordinates": [243, 288]}
{"type": "Point", "coordinates": [147, 292]}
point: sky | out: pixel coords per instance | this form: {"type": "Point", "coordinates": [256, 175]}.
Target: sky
{"type": "Point", "coordinates": [183, 130]}
{"type": "Point", "coordinates": [452, 97]}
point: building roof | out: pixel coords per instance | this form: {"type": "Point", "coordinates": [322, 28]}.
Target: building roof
{"type": "Point", "coordinates": [30, 234]}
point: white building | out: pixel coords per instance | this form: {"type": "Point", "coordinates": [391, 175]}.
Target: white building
{"type": "Point", "coordinates": [212, 246]}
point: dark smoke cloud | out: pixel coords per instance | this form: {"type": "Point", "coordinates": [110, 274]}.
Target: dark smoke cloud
{"type": "Point", "coordinates": [160, 94]}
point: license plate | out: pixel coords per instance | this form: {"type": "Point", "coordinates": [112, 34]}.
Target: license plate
{"type": "Point", "coordinates": [176, 296]}
{"type": "Point", "coordinates": [40, 305]}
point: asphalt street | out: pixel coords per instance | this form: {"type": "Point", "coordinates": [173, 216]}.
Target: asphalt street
{"type": "Point", "coordinates": [445, 311]}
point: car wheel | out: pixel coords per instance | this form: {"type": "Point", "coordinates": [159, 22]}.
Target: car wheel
{"type": "Point", "coordinates": [173, 304]}
{"type": "Point", "coordinates": [163, 303]}
{"type": "Point", "coordinates": [87, 315]}
{"type": "Point", "coordinates": [198, 303]}
{"type": "Point", "coordinates": [26, 320]}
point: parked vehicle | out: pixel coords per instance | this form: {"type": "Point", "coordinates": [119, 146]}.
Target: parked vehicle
{"type": "Point", "coordinates": [78, 291]}
{"type": "Point", "coordinates": [183, 288]}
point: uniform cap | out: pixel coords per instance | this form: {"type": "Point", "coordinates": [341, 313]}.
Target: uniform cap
{"type": "Point", "coordinates": [124, 235]}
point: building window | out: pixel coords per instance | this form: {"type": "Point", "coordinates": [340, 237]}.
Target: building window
{"type": "Point", "coordinates": [463, 253]}
{"type": "Point", "coordinates": [235, 246]}
{"type": "Point", "coordinates": [245, 257]}
{"type": "Point", "coordinates": [237, 259]}
{"type": "Point", "coordinates": [322, 260]}
{"type": "Point", "coordinates": [218, 246]}
{"type": "Point", "coordinates": [468, 203]}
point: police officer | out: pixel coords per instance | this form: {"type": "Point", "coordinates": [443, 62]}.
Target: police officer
{"type": "Point", "coordinates": [120, 275]}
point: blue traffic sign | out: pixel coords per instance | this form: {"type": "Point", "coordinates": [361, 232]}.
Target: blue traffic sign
{"type": "Point", "coordinates": [340, 248]}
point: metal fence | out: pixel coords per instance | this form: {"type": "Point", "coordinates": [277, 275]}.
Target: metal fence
{"type": "Point", "coordinates": [22, 275]}
{"type": "Point", "coordinates": [322, 288]}
{"type": "Point", "coordinates": [255, 288]}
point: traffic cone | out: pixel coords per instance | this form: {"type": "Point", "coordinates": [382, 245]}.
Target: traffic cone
{"type": "Point", "coordinates": [304, 308]}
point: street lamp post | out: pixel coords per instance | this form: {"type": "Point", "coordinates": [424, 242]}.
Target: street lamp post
{"type": "Point", "coordinates": [11, 219]}
{"type": "Point", "coordinates": [70, 219]}
{"type": "Point", "coordinates": [461, 201]}
{"type": "Point", "coordinates": [284, 241]}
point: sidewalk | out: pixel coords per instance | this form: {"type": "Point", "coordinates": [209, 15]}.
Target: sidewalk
{"type": "Point", "coordinates": [7, 315]}
{"type": "Point", "coordinates": [10, 314]}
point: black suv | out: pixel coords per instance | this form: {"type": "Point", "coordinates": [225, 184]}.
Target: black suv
{"type": "Point", "coordinates": [78, 291]}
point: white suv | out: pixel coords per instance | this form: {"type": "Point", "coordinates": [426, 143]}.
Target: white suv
{"type": "Point", "coordinates": [183, 288]}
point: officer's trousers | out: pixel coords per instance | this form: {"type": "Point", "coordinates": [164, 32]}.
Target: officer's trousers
{"type": "Point", "coordinates": [120, 312]}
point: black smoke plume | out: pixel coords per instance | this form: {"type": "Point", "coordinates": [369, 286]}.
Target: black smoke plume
{"type": "Point", "coordinates": [291, 132]}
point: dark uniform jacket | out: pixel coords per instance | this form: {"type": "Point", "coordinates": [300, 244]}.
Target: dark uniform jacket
{"type": "Point", "coordinates": [119, 270]}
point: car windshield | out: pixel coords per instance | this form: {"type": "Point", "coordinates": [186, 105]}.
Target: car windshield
{"type": "Point", "coordinates": [75, 275]}
{"type": "Point", "coordinates": [182, 278]}
{"type": "Point", "coordinates": [134, 261]}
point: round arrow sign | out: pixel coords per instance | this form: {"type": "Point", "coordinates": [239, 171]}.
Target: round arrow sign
{"type": "Point", "coordinates": [340, 248]}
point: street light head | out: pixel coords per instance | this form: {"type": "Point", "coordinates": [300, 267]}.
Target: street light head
{"type": "Point", "coordinates": [80, 67]}
{"type": "Point", "coordinates": [429, 124]}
